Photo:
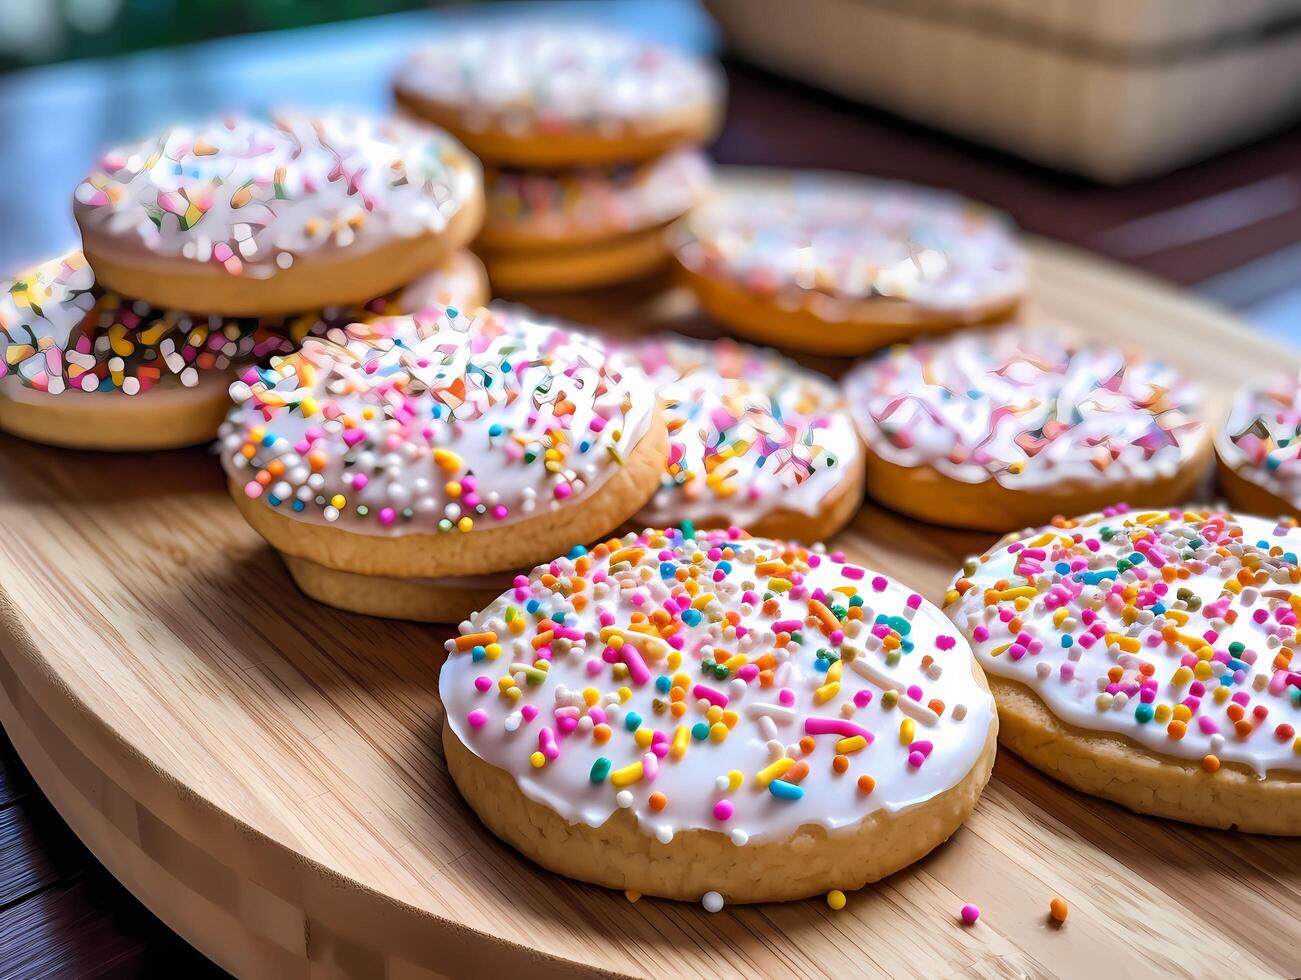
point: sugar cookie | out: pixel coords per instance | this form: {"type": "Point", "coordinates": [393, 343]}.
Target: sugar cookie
{"type": "Point", "coordinates": [245, 217]}
{"type": "Point", "coordinates": [1001, 429]}
{"type": "Point", "coordinates": [88, 369]}
{"type": "Point", "coordinates": [1258, 447]}
{"type": "Point", "coordinates": [555, 94]}
{"type": "Point", "coordinates": [569, 268]}
{"type": "Point", "coordinates": [838, 264]}
{"type": "Point", "coordinates": [755, 441]}
{"type": "Point", "coordinates": [441, 444]}
{"type": "Point", "coordinates": [531, 210]}
{"type": "Point", "coordinates": [719, 716]}
{"type": "Point", "coordinates": [1148, 658]}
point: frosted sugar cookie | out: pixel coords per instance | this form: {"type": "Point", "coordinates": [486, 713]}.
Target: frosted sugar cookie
{"type": "Point", "coordinates": [585, 228]}
{"type": "Point", "coordinates": [1259, 447]}
{"type": "Point", "coordinates": [1148, 658]}
{"type": "Point", "coordinates": [552, 94]}
{"type": "Point", "coordinates": [259, 218]}
{"type": "Point", "coordinates": [443, 444]}
{"type": "Point", "coordinates": [755, 441]}
{"type": "Point", "coordinates": [86, 368]}
{"type": "Point", "coordinates": [719, 715]}
{"type": "Point", "coordinates": [838, 264]}
{"type": "Point", "coordinates": [1006, 428]}
{"type": "Point", "coordinates": [534, 210]}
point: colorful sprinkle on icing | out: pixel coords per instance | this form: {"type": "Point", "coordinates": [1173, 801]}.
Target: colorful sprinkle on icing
{"type": "Point", "coordinates": [251, 197]}
{"type": "Point", "coordinates": [1174, 629]}
{"type": "Point", "coordinates": [576, 205]}
{"type": "Point", "coordinates": [60, 332]}
{"type": "Point", "coordinates": [1261, 440]}
{"type": "Point", "coordinates": [716, 698]}
{"type": "Point", "coordinates": [750, 433]}
{"type": "Point", "coordinates": [1028, 407]}
{"type": "Point", "coordinates": [831, 241]}
{"type": "Point", "coordinates": [440, 421]}
{"type": "Point", "coordinates": [551, 77]}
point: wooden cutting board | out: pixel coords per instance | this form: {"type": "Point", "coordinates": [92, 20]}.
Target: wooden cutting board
{"type": "Point", "coordinates": [266, 775]}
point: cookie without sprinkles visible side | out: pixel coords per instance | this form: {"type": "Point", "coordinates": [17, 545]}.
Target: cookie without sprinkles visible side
{"type": "Point", "coordinates": [557, 94]}
{"type": "Point", "coordinates": [1149, 658]}
{"type": "Point", "coordinates": [1259, 447]}
{"type": "Point", "coordinates": [246, 217]}
{"type": "Point", "coordinates": [1005, 428]}
{"type": "Point", "coordinates": [448, 443]}
{"type": "Point", "coordinates": [834, 263]}
{"type": "Point", "coordinates": [755, 441]}
{"type": "Point", "coordinates": [716, 717]}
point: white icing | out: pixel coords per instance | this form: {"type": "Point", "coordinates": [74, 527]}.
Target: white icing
{"type": "Point", "coordinates": [770, 719]}
{"type": "Point", "coordinates": [1261, 438]}
{"type": "Point", "coordinates": [552, 76]}
{"type": "Point", "coordinates": [750, 433]}
{"type": "Point", "coordinates": [1030, 408]}
{"type": "Point", "coordinates": [1073, 681]}
{"type": "Point", "coordinates": [435, 419]}
{"type": "Point", "coordinates": [253, 196]}
{"type": "Point", "coordinates": [835, 240]}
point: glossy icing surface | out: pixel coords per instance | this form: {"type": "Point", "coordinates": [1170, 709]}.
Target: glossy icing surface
{"type": "Point", "coordinates": [253, 197]}
{"type": "Point", "coordinates": [436, 422]}
{"type": "Point", "coordinates": [722, 683]}
{"type": "Point", "coordinates": [549, 77]}
{"type": "Point", "coordinates": [750, 433]}
{"type": "Point", "coordinates": [1176, 630]}
{"type": "Point", "coordinates": [60, 332]}
{"type": "Point", "coordinates": [834, 240]}
{"type": "Point", "coordinates": [1261, 439]}
{"type": "Point", "coordinates": [1027, 407]}
{"type": "Point", "coordinates": [583, 203]}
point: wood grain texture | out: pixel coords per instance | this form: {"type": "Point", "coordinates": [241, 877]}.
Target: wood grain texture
{"type": "Point", "coordinates": [265, 773]}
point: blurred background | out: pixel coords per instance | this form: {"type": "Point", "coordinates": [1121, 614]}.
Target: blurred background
{"type": "Point", "coordinates": [1161, 133]}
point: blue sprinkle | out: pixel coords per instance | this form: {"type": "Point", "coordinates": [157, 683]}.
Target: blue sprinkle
{"type": "Point", "coordinates": [478, 653]}
{"type": "Point", "coordinates": [298, 506]}
{"type": "Point", "coordinates": [632, 721]}
{"type": "Point", "coordinates": [1068, 641]}
{"type": "Point", "coordinates": [667, 569]}
{"type": "Point", "coordinates": [577, 551]}
{"type": "Point", "coordinates": [1062, 567]}
{"type": "Point", "coordinates": [496, 429]}
{"type": "Point", "coordinates": [663, 683]}
{"type": "Point", "coordinates": [785, 791]}
{"type": "Point", "coordinates": [691, 617]}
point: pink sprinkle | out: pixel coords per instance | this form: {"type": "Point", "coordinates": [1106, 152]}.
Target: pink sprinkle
{"type": "Point", "coordinates": [477, 718]}
{"type": "Point", "coordinates": [709, 694]}
{"type": "Point", "coordinates": [970, 914]}
{"type": "Point", "coordinates": [915, 759]}
{"type": "Point", "coordinates": [852, 572]}
{"type": "Point", "coordinates": [723, 810]}
{"type": "Point", "coordinates": [563, 491]}
{"type": "Point", "coordinates": [483, 683]}
{"type": "Point", "coordinates": [879, 583]}
{"type": "Point", "coordinates": [253, 489]}
{"type": "Point", "coordinates": [529, 711]}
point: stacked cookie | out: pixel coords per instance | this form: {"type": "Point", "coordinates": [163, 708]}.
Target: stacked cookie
{"type": "Point", "coordinates": [406, 466]}
{"type": "Point", "coordinates": [588, 137]}
{"type": "Point", "coordinates": [233, 240]}
{"type": "Point", "coordinates": [838, 264]}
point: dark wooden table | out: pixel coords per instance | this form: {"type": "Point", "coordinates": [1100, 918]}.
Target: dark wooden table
{"type": "Point", "coordinates": [1229, 228]}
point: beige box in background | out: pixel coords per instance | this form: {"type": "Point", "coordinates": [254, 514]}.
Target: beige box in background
{"type": "Point", "coordinates": [1112, 89]}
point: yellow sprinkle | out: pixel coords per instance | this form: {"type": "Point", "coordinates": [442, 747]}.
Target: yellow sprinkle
{"type": "Point", "coordinates": [906, 729]}
{"type": "Point", "coordinates": [537, 760]}
{"type": "Point", "coordinates": [779, 584]}
{"type": "Point", "coordinates": [855, 743]}
{"type": "Point", "coordinates": [447, 460]}
{"type": "Point", "coordinates": [734, 779]}
{"type": "Point", "coordinates": [702, 600]}
{"type": "Point", "coordinates": [632, 555]}
{"type": "Point", "coordinates": [628, 775]}
{"type": "Point", "coordinates": [770, 772]}
{"type": "Point", "coordinates": [836, 899]}
{"type": "Point", "coordinates": [717, 731]}
{"type": "Point", "coordinates": [826, 692]}
{"type": "Point", "coordinates": [678, 747]}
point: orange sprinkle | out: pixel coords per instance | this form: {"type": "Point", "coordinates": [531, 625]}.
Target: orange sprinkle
{"type": "Point", "coordinates": [1058, 909]}
{"type": "Point", "coordinates": [840, 763]}
{"type": "Point", "coordinates": [658, 801]}
{"type": "Point", "coordinates": [1211, 763]}
{"type": "Point", "coordinates": [808, 744]}
{"type": "Point", "coordinates": [866, 784]}
{"type": "Point", "coordinates": [796, 772]}
{"type": "Point", "coordinates": [1176, 729]}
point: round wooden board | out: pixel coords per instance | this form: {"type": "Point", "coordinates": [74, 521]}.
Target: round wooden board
{"type": "Point", "coordinates": [266, 773]}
